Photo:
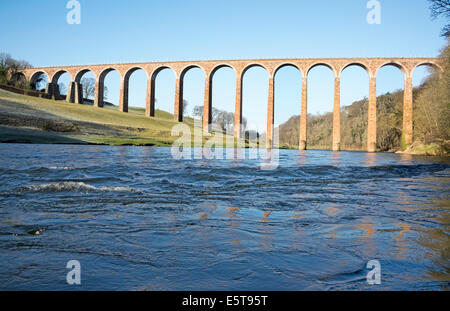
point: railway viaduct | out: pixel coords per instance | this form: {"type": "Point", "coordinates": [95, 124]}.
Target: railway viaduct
{"type": "Point", "coordinates": [337, 65]}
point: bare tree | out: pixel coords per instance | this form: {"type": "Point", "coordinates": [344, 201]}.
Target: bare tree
{"type": "Point", "coordinates": [10, 70]}
{"type": "Point", "coordinates": [198, 111]}
{"type": "Point", "coordinates": [438, 8]}
{"type": "Point", "coordinates": [89, 88]}
{"type": "Point", "coordinates": [225, 120]}
{"type": "Point", "coordinates": [4, 59]}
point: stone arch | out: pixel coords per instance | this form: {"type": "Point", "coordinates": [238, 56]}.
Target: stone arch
{"type": "Point", "coordinates": [243, 106]}
{"type": "Point", "coordinates": [79, 75]}
{"type": "Point", "coordinates": [19, 79]}
{"type": "Point", "coordinates": [429, 64]}
{"type": "Point", "coordinates": [79, 88]}
{"type": "Point", "coordinates": [252, 65]}
{"type": "Point", "coordinates": [359, 133]}
{"type": "Point", "coordinates": [399, 128]}
{"type": "Point", "coordinates": [183, 73]}
{"type": "Point", "coordinates": [279, 107]}
{"type": "Point", "coordinates": [219, 66]}
{"type": "Point", "coordinates": [105, 72]}
{"type": "Point", "coordinates": [287, 65]}
{"type": "Point", "coordinates": [208, 103]}
{"type": "Point", "coordinates": [395, 64]}
{"type": "Point", "coordinates": [157, 70]}
{"type": "Point", "coordinates": [124, 100]}
{"type": "Point", "coordinates": [189, 67]}
{"type": "Point", "coordinates": [331, 67]}
{"type": "Point", "coordinates": [359, 64]}
{"type": "Point", "coordinates": [100, 98]}
{"type": "Point", "coordinates": [154, 74]}
{"type": "Point", "coordinates": [55, 81]}
{"type": "Point", "coordinates": [58, 75]}
{"type": "Point", "coordinates": [36, 75]}
{"type": "Point", "coordinates": [329, 87]}
{"type": "Point", "coordinates": [132, 70]}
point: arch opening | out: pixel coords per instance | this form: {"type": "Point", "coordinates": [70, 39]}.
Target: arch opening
{"type": "Point", "coordinates": [136, 81]}
{"type": "Point", "coordinates": [354, 107]}
{"type": "Point", "coordinates": [355, 64]}
{"type": "Point", "coordinates": [62, 79]}
{"type": "Point", "coordinates": [392, 64]}
{"type": "Point", "coordinates": [163, 92]}
{"type": "Point", "coordinates": [423, 72]}
{"type": "Point", "coordinates": [255, 96]}
{"type": "Point", "coordinates": [39, 81]}
{"type": "Point", "coordinates": [320, 65]}
{"type": "Point", "coordinates": [390, 104]}
{"type": "Point", "coordinates": [223, 97]}
{"type": "Point", "coordinates": [110, 85]}
{"type": "Point", "coordinates": [18, 79]}
{"type": "Point", "coordinates": [430, 108]}
{"type": "Point", "coordinates": [320, 101]}
{"type": "Point", "coordinates": [86, 81]}
{"type": "Point", "coordinates": [287, 105]}
{"type": "Point", "coordinates": [192, 91]}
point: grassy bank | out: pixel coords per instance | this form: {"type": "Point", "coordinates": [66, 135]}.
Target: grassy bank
{"type": "Point", "coordinates": [25, 119]}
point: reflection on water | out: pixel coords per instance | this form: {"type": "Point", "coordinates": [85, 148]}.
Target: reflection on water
{"type": "Point", "coordinates": [137, 219]}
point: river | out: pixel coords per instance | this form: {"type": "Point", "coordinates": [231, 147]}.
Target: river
{"type": "Point", "coordinates": [138, 219]}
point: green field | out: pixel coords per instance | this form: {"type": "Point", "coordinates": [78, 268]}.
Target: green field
{"type": "Point", "coordinates": [25, 119]}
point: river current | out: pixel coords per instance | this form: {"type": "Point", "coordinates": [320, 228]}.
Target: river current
{"type": "Point", "coordinates": [138, 219]}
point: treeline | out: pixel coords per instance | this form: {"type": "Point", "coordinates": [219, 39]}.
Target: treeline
{"type": "Point", "coordinates": [10, 69]}
{"type": "Point", "coordinates": [432, 107]}
{"type": "Point", "coordinates": [354, 119]}
{"type": "Point", "coordinates": [431, 119]}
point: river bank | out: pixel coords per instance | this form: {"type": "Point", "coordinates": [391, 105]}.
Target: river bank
{"type": "Point", "coordinates": [25, 119]}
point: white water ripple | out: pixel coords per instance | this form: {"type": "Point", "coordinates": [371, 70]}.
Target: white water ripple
{"type": "Point", "coordinates": [69, 186]}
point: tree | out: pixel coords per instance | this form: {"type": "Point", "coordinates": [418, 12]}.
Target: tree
{"type": "Point", "coordinates": [225, 120]}
{"type": "Point", "coordinates": [198, 112]}
{"type": "Point", "coordinates": [432, 103]}
{"type": "Point", "coordinates": [185, 106]}
{"type": "Point", "coordinates": [10, 70]}
{"type": "Point", "coordinates": [89, 88]}
{"type": "Point", "coordinates": [438, 8]}
{"type": "Point", "coordinates": [244, 123]}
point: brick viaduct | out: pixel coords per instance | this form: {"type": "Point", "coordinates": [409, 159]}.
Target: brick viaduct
{"type": "Point", "coordinates": [337, 65]}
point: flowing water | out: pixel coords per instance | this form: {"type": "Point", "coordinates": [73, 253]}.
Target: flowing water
{"type": "Point", "coordinates": [137, 219]}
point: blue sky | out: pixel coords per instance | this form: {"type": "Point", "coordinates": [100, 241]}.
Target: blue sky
{"type": "Point", "coordinates": [114, 31]}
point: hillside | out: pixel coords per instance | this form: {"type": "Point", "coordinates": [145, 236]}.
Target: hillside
{"type": "Point", "coordinates": [353, 126]}
{"type": "Point", "coordinates": [35, 120]}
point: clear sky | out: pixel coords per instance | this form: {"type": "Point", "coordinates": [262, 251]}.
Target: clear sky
{"type": "Point", "coordinates": [115, 31]}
